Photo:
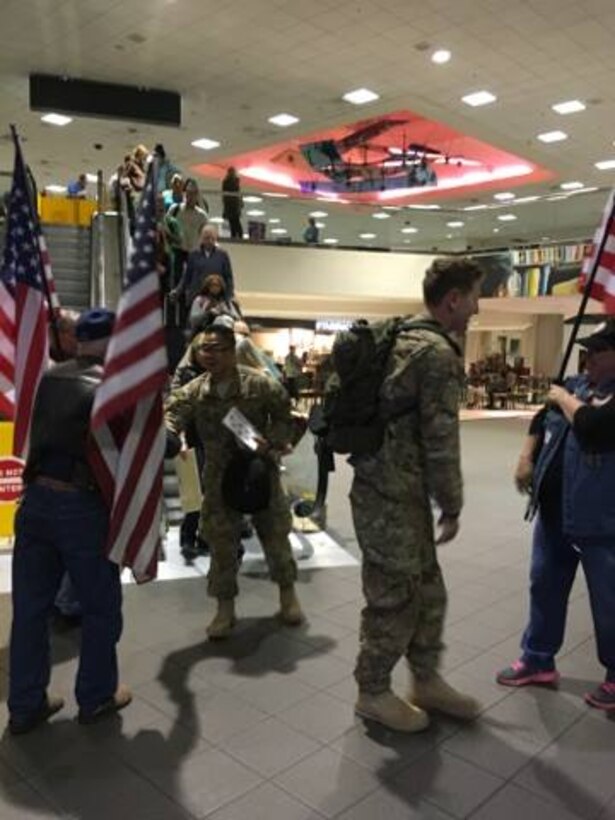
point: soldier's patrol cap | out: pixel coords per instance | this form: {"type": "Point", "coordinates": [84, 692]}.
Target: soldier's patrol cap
{"type": "Point", "coordinates": [603, 338]}
{"type": "Point", "coordinates": [94, 323]}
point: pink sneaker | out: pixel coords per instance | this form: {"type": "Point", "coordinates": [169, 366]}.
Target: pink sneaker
{"type": "Point", "coordinates": [603, 697]}
{"type": "Point", "coordinates": [520, 673]}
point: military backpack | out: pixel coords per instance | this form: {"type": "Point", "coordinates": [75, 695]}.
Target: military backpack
{"type": "Point", "coordinates": [353, 417]}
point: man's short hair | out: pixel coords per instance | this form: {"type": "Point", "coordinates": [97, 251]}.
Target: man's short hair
{"type": "Point", "coordinates": [225, 334]}
{"type": "Point", "coordinates": [444, 275]}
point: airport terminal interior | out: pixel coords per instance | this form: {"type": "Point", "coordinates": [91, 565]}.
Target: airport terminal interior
{"type": "Point", "coordinates": [368, 140]}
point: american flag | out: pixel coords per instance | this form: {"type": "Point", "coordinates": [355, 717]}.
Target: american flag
{"type": "Point", "coordinates": [602, 255]}
{"type": "Point", "coordinates": [129, 438]}
{"type": "Point", "coordinates": [26, 288]}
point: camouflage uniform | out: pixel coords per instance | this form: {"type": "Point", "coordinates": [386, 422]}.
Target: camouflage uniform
{"type": "Point", "coordinates": [266, 404]}
{"type": "Point", "coordinates": [391, 506]}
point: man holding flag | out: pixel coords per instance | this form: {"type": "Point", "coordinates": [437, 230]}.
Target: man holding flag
{"type": "Point", "coordinates": [62, 525]}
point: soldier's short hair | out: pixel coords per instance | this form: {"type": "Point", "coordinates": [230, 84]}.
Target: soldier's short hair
{"type": "Point", "coordinates": [444, 275]}
{"type": "Point", "coordinates": [225, 335]}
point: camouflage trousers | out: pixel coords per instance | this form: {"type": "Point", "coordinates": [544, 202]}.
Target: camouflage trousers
{"type": "Point", "coordinates": [221, 527]}
{"type": "Point", "coordinates": [403, 587]}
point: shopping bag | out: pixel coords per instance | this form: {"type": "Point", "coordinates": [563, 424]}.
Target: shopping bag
{"type": "Point", "coordinates": [187, 469]}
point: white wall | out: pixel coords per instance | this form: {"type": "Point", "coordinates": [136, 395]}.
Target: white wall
{"type": "Point", "coordinates": [265, 269]}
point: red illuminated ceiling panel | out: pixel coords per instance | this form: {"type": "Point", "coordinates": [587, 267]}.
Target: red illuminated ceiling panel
{"type": "Point", "coordinates": [394, 158]}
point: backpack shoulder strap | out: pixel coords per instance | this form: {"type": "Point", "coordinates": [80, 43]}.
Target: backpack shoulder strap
{"type": "Point", "coordinates": [434, 327]}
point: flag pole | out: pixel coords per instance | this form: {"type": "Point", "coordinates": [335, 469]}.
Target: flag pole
{"type": "Point", "coordinates": [51, 313]}
{"type": "Point", "coordinates": [596, 256]}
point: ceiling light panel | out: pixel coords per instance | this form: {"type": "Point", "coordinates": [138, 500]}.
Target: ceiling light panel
{"type": "Point", "coordinates": [507, 217]}
{"type": "Point", "coordinates": [56, 119]}
{"type": "Point", "coordinates": [504, 196]}
{"type": "Point", "coordinates": [605, 164]}
{"type": "Point", "coordinates": [367, 236]}
{"type": "Point", "coordinates": [283, 120]}
{"type": "Point", "coordinates": [478, 98]}
{"type": "Point", "coordinates": [552, 136]}
{"type": "Point", "coordinates": [441, 56]}
{"type": "Point", "coordinates": [205, 144]}
{"type": "Point", "coordinates": [360, 96]}
{"type": "Point", "coordinates": [455, 224]}
{"type": "Point", "coordinates": [319, 214]}
{"type": "Point", "coordinates": [568, 107]}
{"type": "Point", "coordinates": [571, 186]}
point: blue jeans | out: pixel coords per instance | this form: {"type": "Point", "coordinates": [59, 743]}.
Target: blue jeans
{"type": "Point", "coordinates": [554, 565]}
{"type": "Point", "coordinates": [66, 601]}
{"type": "Point", "coordinates": [57, 532]}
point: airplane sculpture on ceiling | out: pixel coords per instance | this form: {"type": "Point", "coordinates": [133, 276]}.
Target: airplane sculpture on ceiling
{"type": "Point", "coordinates": [356, 164]}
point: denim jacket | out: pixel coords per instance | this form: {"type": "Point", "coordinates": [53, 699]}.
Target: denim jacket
{"type": "Point", "coordinates": [588, 489]}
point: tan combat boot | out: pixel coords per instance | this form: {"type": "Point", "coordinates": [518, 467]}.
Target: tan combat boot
{"type": "Point", "coordinates": [224, 620]}
{"type": "Point", "coordinates": [435, 695]}
{"type": "Point", "coordinates": [290, 609]}
{"type": "Point", "coordinates": [391, 711]}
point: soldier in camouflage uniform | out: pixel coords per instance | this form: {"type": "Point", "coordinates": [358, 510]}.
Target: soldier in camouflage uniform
{"type": "Point", "coordinates": [391, 495]}
{"type": "Point", "coordinates": [204, 402]}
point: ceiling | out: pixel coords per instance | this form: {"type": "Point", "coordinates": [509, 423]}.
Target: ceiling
{"type": "Point", "coordinates": [236, 64]}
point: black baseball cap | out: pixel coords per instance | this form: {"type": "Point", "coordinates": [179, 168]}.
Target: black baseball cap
{"type": "Point", "coordinates": [603, 338]}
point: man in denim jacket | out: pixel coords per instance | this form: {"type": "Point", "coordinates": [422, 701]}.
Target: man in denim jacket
{"type": "Point", "coordinates": [573, 492]}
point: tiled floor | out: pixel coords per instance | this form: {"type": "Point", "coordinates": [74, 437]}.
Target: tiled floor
{"type": "Point", "coordinates": [262, 727]}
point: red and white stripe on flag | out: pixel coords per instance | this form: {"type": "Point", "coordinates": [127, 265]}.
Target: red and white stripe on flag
{"type": "Point", "coordinates": [7, 352]}
{"type": "Point", "coordinates": [31, 359]}
{"type": "Point", "coordinates": [603, 247]}
{"type": "Point", "coordinates": [127, 423]}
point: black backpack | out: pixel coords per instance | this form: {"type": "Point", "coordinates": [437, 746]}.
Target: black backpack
{"type": "Point", "coordinates": [353, 420]}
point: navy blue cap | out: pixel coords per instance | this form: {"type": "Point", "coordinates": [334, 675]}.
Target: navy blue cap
{"type": "Point", "coordinates": [95, 323]}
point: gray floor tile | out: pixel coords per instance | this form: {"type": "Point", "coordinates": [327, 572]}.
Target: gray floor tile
{"type": "Point", "coordinates": [205, 782]}
{"type": "Point", "coordinates": [576, 772]}
{"type": "Point", "coordinates": [328, 782]}
{"type": "Point", "coordinates": [98, 789]}
{"type": "Point", "coordinates": [270, 747]}
{"type": "Point", "coordinates": [447, 781]}
{"type": "Point", "coordinates": [266, 802]}
{"type": "Point", "coordinates": [320, 670]}
{"type": "Point", "coordinates": [382, 805]}
{"type": "Point", "coordinates": [320, 716]}
{"type": "Point", "coordinates": [345, 689]}
{"type": "Point", "coordinates": [8, 775]}
{"type": "Point", "coordinates": [21, 802]}
{"type": "Point", "coordinates": [222, 715]}
{"type": "Point", "coordinates": [385, 752]}
{"type": "Point", "coordinates": [274, 692]}
{"type": "Point", "coordinates": [513, 802]}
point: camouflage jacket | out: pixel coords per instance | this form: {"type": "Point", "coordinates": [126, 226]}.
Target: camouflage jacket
{"type": "Point", "coordinates": [262, 401]}
{"type": "Point", "coordinates": [420, 457]}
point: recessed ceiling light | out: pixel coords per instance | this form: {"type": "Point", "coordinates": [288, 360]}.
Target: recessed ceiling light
{"type": "Point", "coordinates": [523, 199]}
{"type": "Point", "coordinates": [496, 230]}
{"type": "Point", "coordinates": [205, 143]}
{"type": "Point", "coordinates": [605, 164]}
{"type": "Point", "coordinates": [91, 177]}
{"type": "Point", "coordinates": [320, 225]}
{"type": "Point", "coordinates": [56, 189]}
{"type": "Point", "coordinates": [479, 98]}
{"type": "Point", "coordinates": [409, 229]}
{"type": "Point", "coordinates": [367, 236]}
{"type": "Point", "coordinates": [56, 119]}
{"type": "Point", "coordinates": [424, 207]}
{"type": "Point", "coordinates": [278, 230]}
{"type": "Point", "coordinates": [217, 220]}
{"type": "Point", "coordinates": [381, 215]}
{"type": "Point", "coordinates": [360, 96]}
{"type": "Point", "coordinates": [504, 196]}
{"type": "Point", "coordinates": [571, 186]}
{"type": "Point", "coordinates": [449, 235]}
{"type": "Point", "coordinates": [441, 56]}
{"type": "Point", "coordinates": [274, 221]}
{"type": "Point", "coordinates": [319, 214]}
{"type": "Point", "coordinates": [507, 217]}
{"type": "Point", "coordinates": [251, 198]}
{"type": "Point", "coordinates": [275, 195]}
{"type": "Point", "coordinates": [475, 208]}
{"type": "Point", "coordinates": [455, 224]}
{"type": "Point", "coordinates": [255, 212]}
{"type": "Point", "coordinates": [569, 107]}
{"type": "Point", "coordinates": [552, 136]}
{"type": "Point", "coordinates": [283, 120]}
{"type": "Point", "coordinates": [330, 240]}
